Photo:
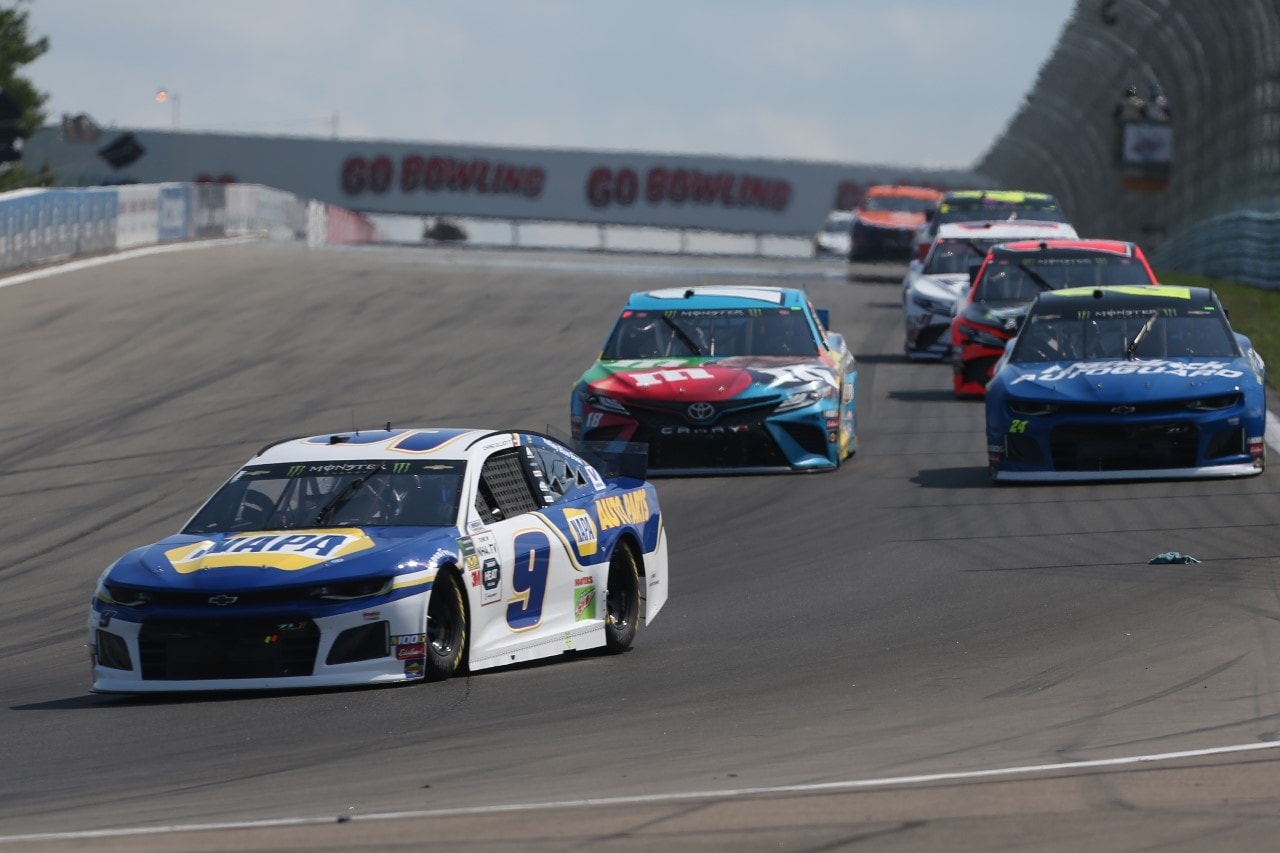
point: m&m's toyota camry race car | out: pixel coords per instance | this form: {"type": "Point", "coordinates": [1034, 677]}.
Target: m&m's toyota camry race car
{"type": "Point", "coordinates": [721, 380]}
{"type": "Point", "coordinates": [380, 557]}
{"type": "Point", "coordinates": [1126, 382]}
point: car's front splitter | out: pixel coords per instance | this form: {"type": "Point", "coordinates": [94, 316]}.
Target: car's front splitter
{"type": "Point", "coordinates": [1238, 469]}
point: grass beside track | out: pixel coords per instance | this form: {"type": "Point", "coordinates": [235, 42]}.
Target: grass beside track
{"type": "Point", "coordinates": [1253, 311]}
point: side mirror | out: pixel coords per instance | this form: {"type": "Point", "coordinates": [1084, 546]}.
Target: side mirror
{"type": "Point", "coordinates": [915, 266]}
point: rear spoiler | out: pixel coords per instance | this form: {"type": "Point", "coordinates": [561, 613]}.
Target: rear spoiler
{"type": "Point", "coordinates": [609, 458]}
{"type": "Point", "coordinates": [616, 458]}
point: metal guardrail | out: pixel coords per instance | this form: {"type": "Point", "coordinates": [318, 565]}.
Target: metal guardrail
{"type": "Point", "coordinates": [1219, 64]}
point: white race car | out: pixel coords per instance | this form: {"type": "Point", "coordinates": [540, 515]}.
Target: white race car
{"type": "Point", "coordinates": [833, 239]}
{"type": "Point", "coordinates": [384, 556]}
{"type": "Point", "coordinates": [932, 287]}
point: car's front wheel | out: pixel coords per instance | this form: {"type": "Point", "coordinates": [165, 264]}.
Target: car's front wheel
{"type": "Point", "coordinates": [446, 628]}
{"type": "Point", "coordinates": [622, 599]}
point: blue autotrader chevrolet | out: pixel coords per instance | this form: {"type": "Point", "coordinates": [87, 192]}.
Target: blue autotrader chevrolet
{"type": "Point", "coordinates": [1127, 382]}
{"type": "Point", "coordinates": [721, 380]}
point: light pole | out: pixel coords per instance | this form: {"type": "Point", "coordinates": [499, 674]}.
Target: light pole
{"type": "Point", "coordinates": [163, 95]}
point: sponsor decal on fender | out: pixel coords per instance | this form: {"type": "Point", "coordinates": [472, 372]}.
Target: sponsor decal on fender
{"type": "Point", "coordinates": [584, 603]}
{"type": "Point", "coordinates": [628, 508]}
{"type": "Point", "coordinates": [411, 651]}
{"type": "Point", "coordinates": [583, 530]}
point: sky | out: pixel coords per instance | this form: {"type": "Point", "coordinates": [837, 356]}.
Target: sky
{"type": "Point", "coordinates": [905, 82]}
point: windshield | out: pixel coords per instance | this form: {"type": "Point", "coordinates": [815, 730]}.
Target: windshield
{"type": "Point", "coordinates": [1111, 333]}
{"type": "Point", "coordinates": [721, 332]}
{"type": "Point", "coordinates": [1021, 277]}
{"type": "Point", "coordinates": [310, 495]}
{"type": "Point", "coordinates": [953, 255]}
{"type": "Point", "coordinates": [974, 209]}
{"type": "Point", "coordinates": [899, 203]}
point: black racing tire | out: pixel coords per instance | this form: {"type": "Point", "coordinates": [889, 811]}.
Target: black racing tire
{"type": "Point", "coordinates": [624, 598]}
{"type": "Point", "coordinates": [446, 628]}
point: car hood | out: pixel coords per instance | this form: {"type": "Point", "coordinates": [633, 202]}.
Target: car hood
{"type": "Point", "coordinates": [712, 379]}
{"type": "Point", "coordinates": [1002, 315]}
{"type": "Point", "coordinates": [1125, 380]}
{"type": "Point", "coordinates": [891, 219]}
{"type": "Point", "coordinates": [942, 286]}
{"type": "Point", "coordinates": [269, 558]}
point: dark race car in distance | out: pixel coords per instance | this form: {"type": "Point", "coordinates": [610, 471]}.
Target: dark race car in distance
{"type": "Point", "coordinates": [1138, 382]}
{"type": "Point", "coordinates": [721, 379]}
{"type": "Point", "coordinates": [1011, 276]}
{"type": "Point", "coordinates": [886, 219]}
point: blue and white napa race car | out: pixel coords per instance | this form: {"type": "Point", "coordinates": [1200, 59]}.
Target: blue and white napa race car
{"type": "Point", "coordinates": [384, 556]}
{"type": "Point", "coordinates": [1126, 382]}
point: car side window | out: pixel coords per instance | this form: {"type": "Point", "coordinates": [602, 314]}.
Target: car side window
{"type": "Point", "coordinates": [504, 489]}
{"type": "Point", "coordinates": [559, 476]}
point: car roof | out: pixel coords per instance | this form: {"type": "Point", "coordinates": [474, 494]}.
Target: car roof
{"type": "Point", "coordinates": [716, 296]}
{"type": "Point", "coordinates": [903, 190]}
{"type": "Point", "coordinates": [1123, 296]}
{"type": "Point", "coordinates": [398, 445]}
{"type": "Point", "coordinates": [1011, 229]}
{"type": "Point", "coordinates": [1116, 247]}
{"type": "Point", "coordinates": [1011, 196]}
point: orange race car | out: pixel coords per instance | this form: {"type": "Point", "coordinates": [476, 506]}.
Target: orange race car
{"type": "Point", "coordinates": [886, 219]}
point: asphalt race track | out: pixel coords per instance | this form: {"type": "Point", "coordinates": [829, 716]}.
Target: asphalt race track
{"type": "Point", "coordinates": [898, 618]}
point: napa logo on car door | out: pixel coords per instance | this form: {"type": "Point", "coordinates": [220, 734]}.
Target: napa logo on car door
{"type": "Point", "coordinates": [297, 549]}
{"type": "Point", "coordinates": [583, 530]}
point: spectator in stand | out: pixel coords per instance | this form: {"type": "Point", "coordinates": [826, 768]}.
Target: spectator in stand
{"type": "Point", "coordinates": [1158, 107]}
{"type": "Point", "coordinates": [1131, 107]}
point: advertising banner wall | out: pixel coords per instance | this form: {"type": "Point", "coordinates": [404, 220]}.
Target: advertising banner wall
{"type": "Point", "coordinates": [45, 225]}
{"type": "Point", "coordinates": [753, 196]}
{"type": "Point", "coordinates": [138, 222]}
{"type": "Point", "coordinates": [50, 225]}
{"type": "Point", "coordinates": [174, 216]}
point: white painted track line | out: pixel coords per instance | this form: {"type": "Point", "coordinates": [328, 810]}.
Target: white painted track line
{"type": "Point", "coordinates": [724, 794]}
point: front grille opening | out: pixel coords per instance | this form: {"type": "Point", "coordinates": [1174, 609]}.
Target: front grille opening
{"type": "Point", "coordinates": [365, 642]}
{"type": "Point", "coordinates": [978, 370]}
{"type": "Point", "coordinates": [1019, 447]}
{"type": "Point", "coordinates": [930, 335]}
{"type": "Point", "coordinates": [194, 650]}
{"type": "Point", "coordinates": [1124, 447]}
{"type": "Point", "coordinates": [1231, 442]}
{"type": "Point", "coordinates": [809, 437]}
{"type": "Point", "coordinates": [112, 651]}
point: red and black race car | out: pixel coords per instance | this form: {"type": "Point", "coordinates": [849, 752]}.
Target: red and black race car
{"type": "Point", "coordinates": [1011, 277]}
